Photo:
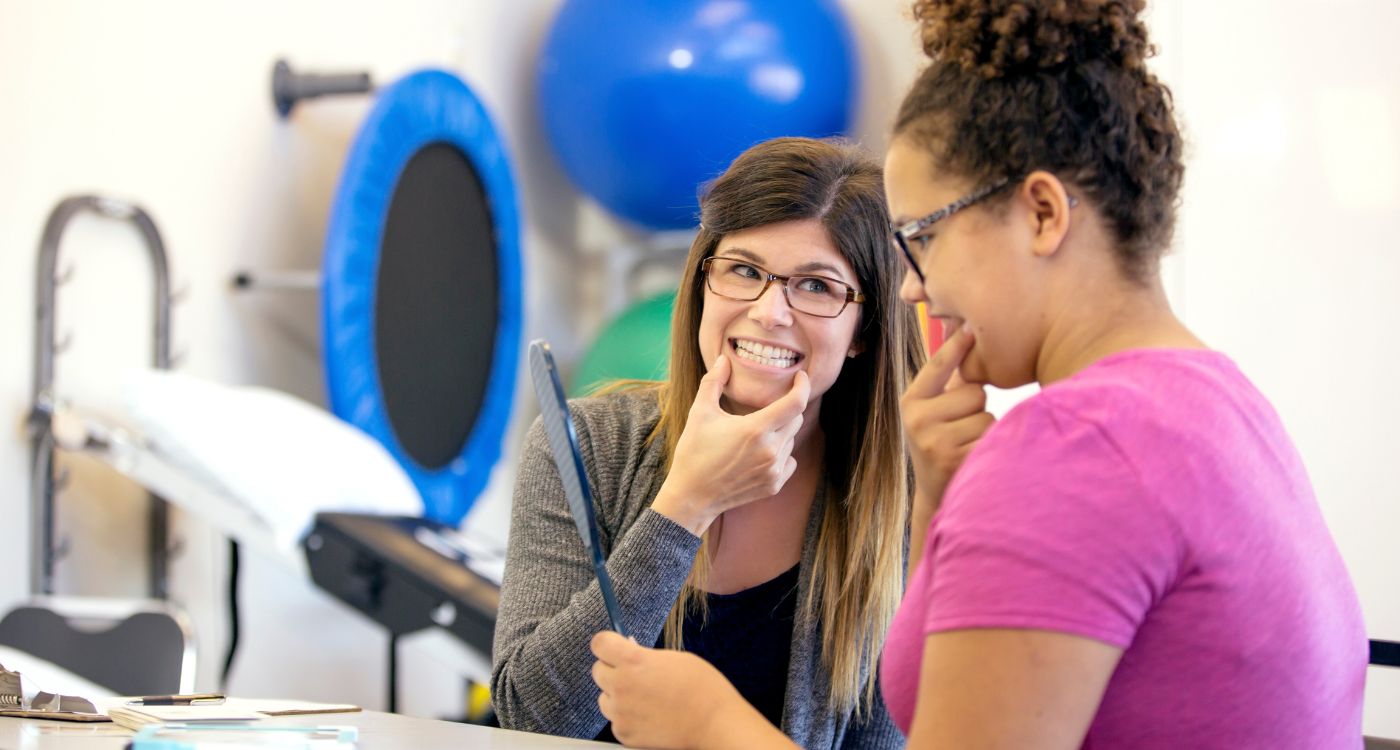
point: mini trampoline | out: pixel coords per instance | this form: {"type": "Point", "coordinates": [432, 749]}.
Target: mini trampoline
{"type": "Point", "coordinates": [422, 296]}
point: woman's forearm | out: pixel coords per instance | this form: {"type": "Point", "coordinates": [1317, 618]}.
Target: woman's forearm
{"type": "Point", "coordinates": [552, 607]}
{"type": "Point", "coordinates": [919, 518]}
{"type": "Point", "coordinates": [741, 725]}
{"type": "Point", "coordinates": [550, 604]}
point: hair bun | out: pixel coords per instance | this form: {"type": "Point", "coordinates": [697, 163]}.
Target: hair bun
{"type": "Point", "coordinates": [995, 38]}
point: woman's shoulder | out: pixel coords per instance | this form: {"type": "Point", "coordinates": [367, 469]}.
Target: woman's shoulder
{"type": "Point", "coordinates": [623, 415]}
{"type": "Point", "coordinates": [1129, 393]}
{"type": "Point", "coordinates": [1122, 425]}
{"type": "Point", "coordinates": [621, 457]}
{"type": "Point", "coordinates": [617, 429]}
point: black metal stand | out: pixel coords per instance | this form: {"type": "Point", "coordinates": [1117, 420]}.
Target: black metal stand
{"type": "Point", "coordinates": [393, 675]}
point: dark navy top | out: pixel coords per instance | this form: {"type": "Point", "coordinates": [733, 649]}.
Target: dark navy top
{"type": "Point", "coordinates": [747, 636]}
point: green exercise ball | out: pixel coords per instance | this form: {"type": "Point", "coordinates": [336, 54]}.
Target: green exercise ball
{"type": "Point", "coordinates": [635, 345]}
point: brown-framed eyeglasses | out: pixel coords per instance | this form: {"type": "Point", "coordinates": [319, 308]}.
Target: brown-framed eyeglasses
{"type": "Point", "coordinates": [746, 281]}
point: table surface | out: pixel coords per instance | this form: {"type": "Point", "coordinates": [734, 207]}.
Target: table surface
{"type": "Point", "coordinates": [378, 731]}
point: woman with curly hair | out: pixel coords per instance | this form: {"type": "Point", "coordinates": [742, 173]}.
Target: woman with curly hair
{"type": "Point", "coordinates": [1133, 557]}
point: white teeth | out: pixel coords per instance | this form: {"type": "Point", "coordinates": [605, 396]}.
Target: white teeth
{"type": "Point", "coordinates": [768, 355]}
{"type": "Point", "coordinates": [764, 350]}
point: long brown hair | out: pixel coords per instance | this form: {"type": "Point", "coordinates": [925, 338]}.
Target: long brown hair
{"type": "Point", "coordinates": [857, 581]}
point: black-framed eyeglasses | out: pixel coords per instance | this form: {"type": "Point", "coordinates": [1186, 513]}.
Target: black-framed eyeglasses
{"type": "Point", "coordinates": [906, 233]}
{"type": "Point", "coordinates": [746, 281]}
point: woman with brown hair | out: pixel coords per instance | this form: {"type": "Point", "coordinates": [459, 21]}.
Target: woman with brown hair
{"type": "Point", "coordinates": [754, 505]}
{"type": "Point", "coordinates": [1131, 558]}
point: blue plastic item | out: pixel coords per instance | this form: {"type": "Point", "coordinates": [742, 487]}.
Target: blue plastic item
{"type": "Point", "coordinates": [427, 126]}
{"type": "Point", "coordinates": [643, 101]}
{"type": "Point", "coordinates": [194, 736]}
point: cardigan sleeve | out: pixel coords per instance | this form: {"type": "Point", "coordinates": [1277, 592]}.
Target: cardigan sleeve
{"type": "Point", "coordinates": [874, 730]}
{"type": "Point", "coordinates": [550, 603]}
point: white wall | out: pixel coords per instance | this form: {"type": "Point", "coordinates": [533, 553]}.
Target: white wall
{"type": "Point", "coordinates": [1291, 206]}
{"type": "Point", "coordinates": [1288, 243]}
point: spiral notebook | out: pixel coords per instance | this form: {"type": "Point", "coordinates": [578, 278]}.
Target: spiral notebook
{"type": "Point", "coordinates": [43, 705]}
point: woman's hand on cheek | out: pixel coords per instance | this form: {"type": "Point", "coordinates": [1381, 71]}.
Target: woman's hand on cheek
{"type": "Point", "coordinates": [723, 461]}
{"type": "Point", "coordinates": [658, 698]}
{"type": "Point", "coordinates": [943, 419]}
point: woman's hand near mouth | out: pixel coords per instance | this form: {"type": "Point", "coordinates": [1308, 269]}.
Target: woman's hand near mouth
{"type": "Point", "coordinates": [944, 418]}
{"type": "Point", "coordinates": [723, 461]}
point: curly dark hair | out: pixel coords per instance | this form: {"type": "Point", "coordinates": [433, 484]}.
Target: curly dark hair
{"type": "Point", "coordinates": [1060, 85]}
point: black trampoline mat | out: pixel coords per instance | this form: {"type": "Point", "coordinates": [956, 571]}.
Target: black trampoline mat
{"type": "Point", "coordinates": [436, 304]}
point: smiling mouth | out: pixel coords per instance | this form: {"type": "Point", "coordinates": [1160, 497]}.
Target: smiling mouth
{"type": "Point", "coordinates": [763, 354]}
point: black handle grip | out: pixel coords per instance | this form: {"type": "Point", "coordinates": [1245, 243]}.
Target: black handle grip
{"type": "Point", "coordinates": [1385, 653]}
{"type": "Point", "coordinates": [289, 87]}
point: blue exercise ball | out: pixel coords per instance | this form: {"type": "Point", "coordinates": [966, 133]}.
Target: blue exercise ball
{"type": "Point", "coordinates": [644, 101]}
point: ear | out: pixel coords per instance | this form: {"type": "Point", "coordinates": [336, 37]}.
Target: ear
{"type": "Point", "coordinates": [1049, 205]}
{"type": "Point", "coordinates": [857, 339]}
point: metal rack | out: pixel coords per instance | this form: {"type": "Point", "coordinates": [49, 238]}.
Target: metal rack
{"type": "Point", "coordinates": [44, 481]}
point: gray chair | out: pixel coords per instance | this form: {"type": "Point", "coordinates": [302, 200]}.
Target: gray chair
{"type": "Point", "coordinates": [129, 647]}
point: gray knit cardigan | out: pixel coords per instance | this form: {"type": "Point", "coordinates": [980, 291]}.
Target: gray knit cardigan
{"type": "Point", "coordinates": [551, 606]}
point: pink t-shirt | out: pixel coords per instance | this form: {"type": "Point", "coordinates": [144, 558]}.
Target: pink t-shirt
{"type": "Point", "coordinates": [1153, 502]}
